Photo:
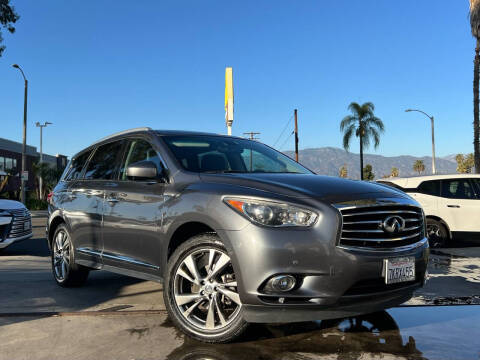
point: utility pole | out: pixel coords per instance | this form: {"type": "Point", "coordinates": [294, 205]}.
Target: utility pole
{"type": "Point", "coordinates": [41, 126]}
{"type": "Point", "coordinates": [24, 143]}
{"type": "Point", "coordinates": [251, 134]}
{"type": "Point", "coordinates": [296, 135]}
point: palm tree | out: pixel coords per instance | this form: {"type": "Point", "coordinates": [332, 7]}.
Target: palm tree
{"type": "Point", "coordinates": [419, 166]}
{"type": "Point", "coordinates": [475, 27]}
{"type": "Point", "coordinates": [364, 124]}
{"type": "Point", "coordinates": [394, 172]}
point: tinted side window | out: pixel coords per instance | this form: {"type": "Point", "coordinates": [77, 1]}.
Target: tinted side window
{"type": "Point", "coordinates": [457, 189]}
{"type": "Point", "coordinates": [75, 169]}
{"type": "Point", "coordinates": [430, 188]}
{"type": "Point", "coordinates": [477, 184]}
{"type": "Point", "coordinates": [139, 150]}
{"type": "Point", "coordinates": [104, 164]}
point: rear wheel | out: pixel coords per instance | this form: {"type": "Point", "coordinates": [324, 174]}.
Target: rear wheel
{"type": "Point", "coordinates": [437, 233]}
{"type": "Point", "coordinates": [65, 272]}
{"type": "Point", "coordinates": [201, 293]}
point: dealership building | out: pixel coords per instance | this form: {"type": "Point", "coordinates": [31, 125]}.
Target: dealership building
{"type": "Point", "coordinates": [11, 162]}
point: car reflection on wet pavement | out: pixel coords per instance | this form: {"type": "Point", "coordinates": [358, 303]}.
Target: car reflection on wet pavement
{"type": "Point", "coordinates": [418, 333]}
{"type": "Point", "coordinates": [345, 338]}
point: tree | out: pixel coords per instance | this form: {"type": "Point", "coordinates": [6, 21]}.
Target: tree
{"type": "Point", "coordinates": [368, 173]}
{"type": "Point", "coordinates": [394, 172]}
{"type": "Point", "coordinates": [343, 173]}
{"type": "Point", "coordinates": [475, 28]}
{"type": "Point", "coordinates": [419, 166]}
{"type": "Point", "coordinates": [8, 17]}
{"type": "Point", "coordinates": [365, 125]}
{"type": "Point", "coordinates": [465, 164]}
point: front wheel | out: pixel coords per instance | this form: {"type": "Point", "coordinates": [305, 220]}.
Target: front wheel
{"type": "Point", "coordinates": [65, 272]}
{"type": "Point", "coordinates": [201, 292]}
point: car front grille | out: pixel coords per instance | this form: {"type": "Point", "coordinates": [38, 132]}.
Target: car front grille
{"type": "Point", "coordinates": [17, 227]}
{"type": "Point", "coordinates": [381, 227]}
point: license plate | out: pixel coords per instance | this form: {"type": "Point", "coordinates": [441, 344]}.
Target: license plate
{"type": "Point", "coordinates": [399, 270]}
{"type": "Point", "coordinates": [27, 225]}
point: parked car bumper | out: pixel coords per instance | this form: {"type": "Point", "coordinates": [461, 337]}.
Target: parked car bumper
{"type": "Point", "coordinates": [10, 241]}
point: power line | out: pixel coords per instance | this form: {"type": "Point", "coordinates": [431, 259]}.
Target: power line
{"type": "Point", "coordinates": [288, 138]}
{"type": "Point", "coordinates": [285, 128]}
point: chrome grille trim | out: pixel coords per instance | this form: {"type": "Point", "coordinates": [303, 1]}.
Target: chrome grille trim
{"type": "Point", "coordinates": [384, 239]}
{"type": "Point", "coordinates": [362, 226]}
{"type": "Point", "coordinates": [20, 216]}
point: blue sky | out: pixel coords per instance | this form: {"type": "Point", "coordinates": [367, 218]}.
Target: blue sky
{"type": "Point", "coordinates": [97, 67]}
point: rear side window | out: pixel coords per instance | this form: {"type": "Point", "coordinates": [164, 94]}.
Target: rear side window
{"type": "Point", "coordinates": [430, 188]}
{"type": "Point", "coordinates": [457, 189]}
{"type": "Point", "coordinates": [104, 162]}
{"type": "Point", "coordinates": [75, 170]}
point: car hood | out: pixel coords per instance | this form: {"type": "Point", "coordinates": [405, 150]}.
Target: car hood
{"type": "Point", "coordinates": [11, 205]}
{"type": "Point", "coordinates": [327, 188]}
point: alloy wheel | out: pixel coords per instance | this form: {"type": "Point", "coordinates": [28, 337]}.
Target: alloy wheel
{"type": "Point", "coordinates": [205, 289]}
{"type": "Point", "coordinates": [61, 255]}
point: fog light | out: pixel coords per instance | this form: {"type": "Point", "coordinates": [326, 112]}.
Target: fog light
{"type": "Point", "coordinates": [281, 283]}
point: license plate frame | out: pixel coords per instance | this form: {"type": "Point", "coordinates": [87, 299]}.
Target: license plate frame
{"type": "Point", "coordinates": [399, 270]}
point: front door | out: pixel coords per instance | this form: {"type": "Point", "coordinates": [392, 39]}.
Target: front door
{"type": "Point", "coordinates": [132, 215]}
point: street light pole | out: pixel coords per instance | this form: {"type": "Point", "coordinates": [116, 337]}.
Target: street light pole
{"type": "Point", "coordinates": [24, 144]}
{"type": "Point", "coordinates": [432, 121]}
{"type": "Point", "coordinates": [41, 126]}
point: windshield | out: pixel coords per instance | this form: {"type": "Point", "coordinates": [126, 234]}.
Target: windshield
{"type": "Point", "coordinates": [219, 154]}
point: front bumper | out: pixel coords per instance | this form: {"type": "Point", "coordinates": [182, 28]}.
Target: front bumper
{"type": "Point", "coordinates": [10, 241]}
{"type": "Point", "coordinates": [333, 281]}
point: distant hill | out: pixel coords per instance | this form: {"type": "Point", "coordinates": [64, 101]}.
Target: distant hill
{"type": "Point", "coordinates": [328, 161]}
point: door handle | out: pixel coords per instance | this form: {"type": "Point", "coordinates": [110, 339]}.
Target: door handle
{"type": "Point", "coordinates": [453, 206]}
{"type": "Point", "coordinates": [112, 200]}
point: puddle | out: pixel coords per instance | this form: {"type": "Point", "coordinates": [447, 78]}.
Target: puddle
{"type": "Point", "coordinates": [351, 338]}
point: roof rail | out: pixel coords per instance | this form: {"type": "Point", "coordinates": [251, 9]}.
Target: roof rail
{"type": "Point", "coordinates": [124, 132]}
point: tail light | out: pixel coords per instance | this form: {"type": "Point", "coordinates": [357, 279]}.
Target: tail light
{"type": "Point", "coordinates": [50, 197]}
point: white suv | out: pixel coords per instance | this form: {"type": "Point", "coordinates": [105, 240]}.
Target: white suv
{"type": "Point", "coordinates": [451, 204]}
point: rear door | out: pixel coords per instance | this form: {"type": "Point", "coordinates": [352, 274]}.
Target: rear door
{"type": "Point", "coordinates": [132, 214]}
{"type": "Point", "coordinates": [89, 193]}
{"type": "Point", "coordinates": [459, 205]}
{"type": "Point", "coordinates": [77, 208]}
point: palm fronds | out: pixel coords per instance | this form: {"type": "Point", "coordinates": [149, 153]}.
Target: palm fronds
{"type": "Point", "coordinates": [475, 17]}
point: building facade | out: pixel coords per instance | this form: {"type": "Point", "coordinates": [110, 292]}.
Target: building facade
{"type": "Point", "coordinates": [11, 164]}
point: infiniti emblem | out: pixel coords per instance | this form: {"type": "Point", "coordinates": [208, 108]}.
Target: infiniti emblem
{"type": "Point", "coordinates": [393, 224]}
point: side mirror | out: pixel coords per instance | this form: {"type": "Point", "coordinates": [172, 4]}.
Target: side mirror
{"type": "Point", "coordinates": [143, 170]}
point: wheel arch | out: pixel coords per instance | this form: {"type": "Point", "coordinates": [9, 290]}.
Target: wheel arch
{"type": "Point", "coordinates": [441, 221]}
{"type": "Point", "coordinates": [185, 231]}
{"type": "Point", "coordinates": [55, 221]}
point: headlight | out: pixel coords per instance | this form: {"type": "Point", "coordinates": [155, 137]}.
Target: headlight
{"type": "Point", "coordinates": [272, 213]}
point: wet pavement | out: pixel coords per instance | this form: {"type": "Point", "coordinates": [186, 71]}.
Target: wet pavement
{"type": "Point", "coordinates": [117, 317]}
{"type": "Point", "coordinates": [429, 332]}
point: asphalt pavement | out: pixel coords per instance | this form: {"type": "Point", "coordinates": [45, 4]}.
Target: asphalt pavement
{"type": "Point", "coordinates": [117, 317]}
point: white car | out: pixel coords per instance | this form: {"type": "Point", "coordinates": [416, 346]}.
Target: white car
{"type": "Point", "coordinates": [15, 223]}
{"type": "Point", "coordinates": [451, 204]}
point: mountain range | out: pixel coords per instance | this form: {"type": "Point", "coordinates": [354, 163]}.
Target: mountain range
{"type": "Point", "coordinates": [329, 160]}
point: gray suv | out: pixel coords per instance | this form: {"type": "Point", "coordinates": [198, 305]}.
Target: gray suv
{"type": "Point", "coordinates": [237, 232]}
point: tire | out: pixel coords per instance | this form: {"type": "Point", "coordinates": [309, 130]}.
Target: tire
{"type": "Point", "coordinates": [204, 305]}
{"type": "Point", "coordinates": [65, 272]}
{"type": "Point", "coordinates": [437, 234]}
